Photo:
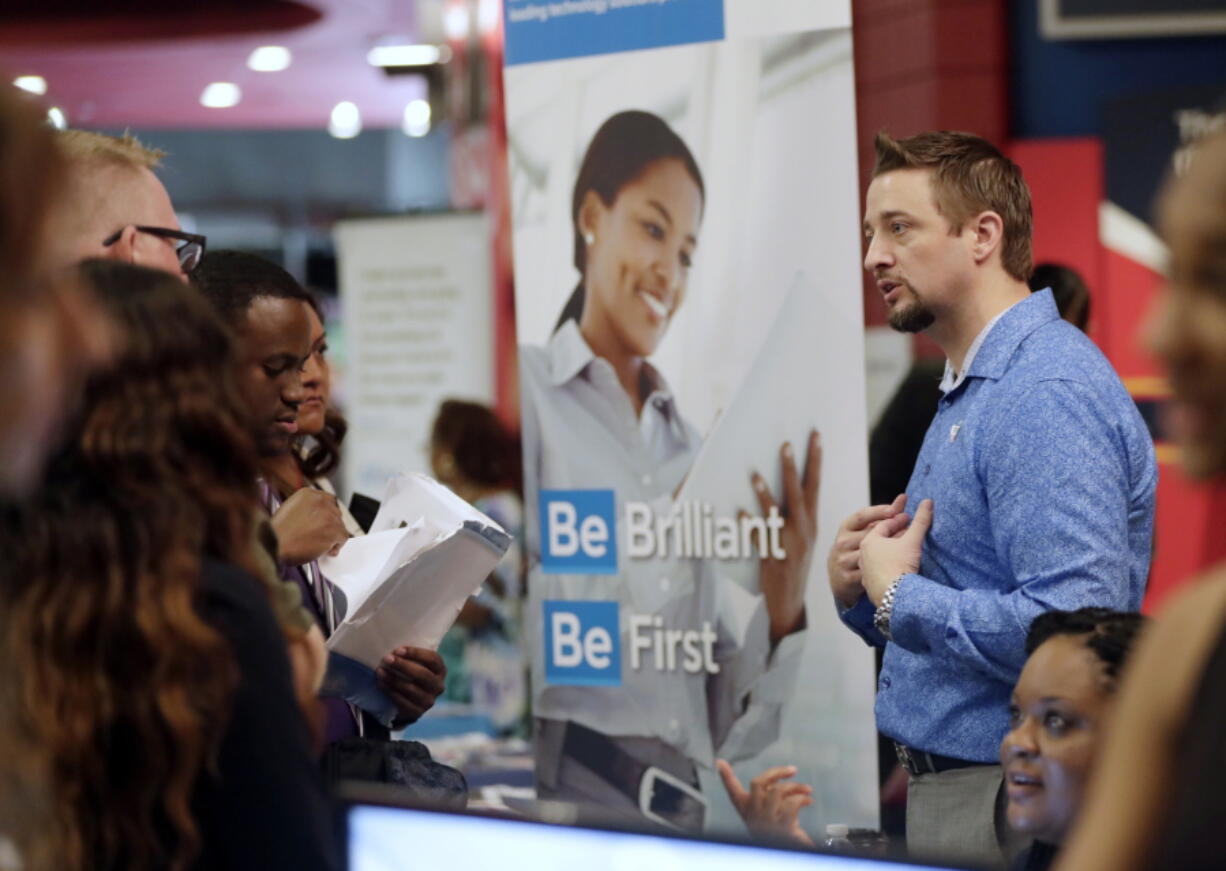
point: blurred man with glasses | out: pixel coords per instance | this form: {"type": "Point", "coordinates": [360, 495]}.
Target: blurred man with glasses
{"type": "Point", "coordinates": [116, 207]}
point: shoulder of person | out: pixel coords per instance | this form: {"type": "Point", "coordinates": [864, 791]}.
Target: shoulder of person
{"type": "Point", "coordinates": [1181, 639]}
{"type": "Point", "coordinates": [1057, 349]}
{"type": "Point", "coordinates": [227, 587]}
{"type": "Point", "coordinates": [1197, 602]}
{"type": "Point", "coordinates": [1058, 360]}
{"type": "Point", "coordinates": [535, 375]}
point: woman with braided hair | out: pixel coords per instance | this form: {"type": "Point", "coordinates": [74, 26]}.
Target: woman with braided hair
{"type": "Point", "coordinates": [1059, 708]}
{"type": "Point", "coordinates": [1060, 704]}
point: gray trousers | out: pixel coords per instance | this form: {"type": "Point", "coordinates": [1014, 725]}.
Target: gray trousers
{"type": "Point", "coordinates": [958, 816]}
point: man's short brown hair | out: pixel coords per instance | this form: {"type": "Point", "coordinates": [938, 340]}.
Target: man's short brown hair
{"type": "Point", "coordinates": [969, 176]}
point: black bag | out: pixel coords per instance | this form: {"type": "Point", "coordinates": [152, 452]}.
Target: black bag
{"type": "Point", "coordinates": [404, 764]}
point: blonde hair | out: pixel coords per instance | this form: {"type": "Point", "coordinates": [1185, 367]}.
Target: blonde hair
{"type": "Point", "coordinates": [84, 147]}
{"type": "Point", "coordinates": [98, 165]}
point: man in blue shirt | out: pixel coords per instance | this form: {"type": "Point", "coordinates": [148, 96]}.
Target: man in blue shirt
{"type": "Point", "coordinates": [1034, 489]}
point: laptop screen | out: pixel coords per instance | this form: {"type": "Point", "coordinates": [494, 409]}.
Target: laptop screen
{"type": "Point", "coordinates": [401, 839]}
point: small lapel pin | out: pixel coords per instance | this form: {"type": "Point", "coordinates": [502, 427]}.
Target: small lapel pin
{"type": "Point", "coordinates": [953, 431]}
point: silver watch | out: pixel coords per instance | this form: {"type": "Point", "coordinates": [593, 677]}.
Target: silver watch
{"type": "Point", "coordinates": [881, 617]}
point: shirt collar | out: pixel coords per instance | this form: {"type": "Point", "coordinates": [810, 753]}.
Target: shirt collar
{"type": "Point", "coordinates": [569, 353]}
{"type": "Point", "coordinates": [951, 379]}
{"type": "Point", "coordinates": [570, 356]}
{"type": "Point", "coordinates": [990, 353]}
{"type": "Point", "coordinates": [268, 496]}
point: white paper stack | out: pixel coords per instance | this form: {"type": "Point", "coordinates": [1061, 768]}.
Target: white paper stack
{"type": "Point", "coordinates": [405, 582]}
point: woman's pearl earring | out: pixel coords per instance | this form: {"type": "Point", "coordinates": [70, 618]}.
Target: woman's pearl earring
{"type": "Point", "coordinates": [589, 238]}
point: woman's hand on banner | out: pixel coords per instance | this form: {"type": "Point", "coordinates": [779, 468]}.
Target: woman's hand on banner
{"type": "Point", "coordinates": [413, 678]}
{"type": "Point", "coordinates": [772, 804]}
{"type": "Point", "coordinates": [843, 563]}
{"type": "Point", "coordinates": [782, 581]}
{"type": "Point", "coordinates": [892, 549]}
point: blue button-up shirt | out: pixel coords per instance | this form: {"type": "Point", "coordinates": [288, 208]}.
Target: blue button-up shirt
{"type": "Point", "coordinates": [1042, 476]}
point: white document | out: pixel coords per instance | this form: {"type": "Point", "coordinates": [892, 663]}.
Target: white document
{"type": "Point", "coordinates": [406, 582]}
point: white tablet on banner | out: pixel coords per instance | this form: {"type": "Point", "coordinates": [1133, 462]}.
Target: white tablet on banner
{"type": "Point", "coordinates": [782, 399]}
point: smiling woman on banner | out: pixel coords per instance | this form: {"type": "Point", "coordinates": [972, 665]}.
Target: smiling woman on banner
{"type": "Point", "coordinates": [651, 662]}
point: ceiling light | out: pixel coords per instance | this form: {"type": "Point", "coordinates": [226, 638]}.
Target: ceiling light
{"type": "Point", "coordinates": [488, 13]}
{"type": "Point", "coordinates": [346, 121]}
{"type": "Point", "coordinates": [269, 59]}
{"type": "Point", "coordinates": [56, 118]}
{"type": "Point", "coordinates": [408, 55]}
{"type": "Point", "coordinates": [221, 95]}
{"type": "Point", "coordinates": [32, 84]}
{"type": "Point", "coordinates": [456, 22]}
{"type": "Point", "coordinates": [416, 118]}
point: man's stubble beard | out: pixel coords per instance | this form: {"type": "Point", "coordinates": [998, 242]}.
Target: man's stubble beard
{"type": "Point", "coordinates": [913, 318]}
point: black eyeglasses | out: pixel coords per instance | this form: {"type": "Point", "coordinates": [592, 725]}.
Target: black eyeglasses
{"type": "Point", "coordinates": [190, 249]}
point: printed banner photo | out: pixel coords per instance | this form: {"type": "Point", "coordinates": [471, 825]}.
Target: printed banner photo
{"type": "Point", "coordinates": [417, 317]}
{"type": "Point", "coordinates": [686, 239]}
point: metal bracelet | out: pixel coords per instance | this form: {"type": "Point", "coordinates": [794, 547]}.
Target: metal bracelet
{"type": "Point", "coordinates": [881, 617]}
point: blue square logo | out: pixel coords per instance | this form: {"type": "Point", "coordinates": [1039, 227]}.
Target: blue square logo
{"type": "Point", "coordinates": [582, 644]}
{"type": "Point", "coordinates": [578, 532]}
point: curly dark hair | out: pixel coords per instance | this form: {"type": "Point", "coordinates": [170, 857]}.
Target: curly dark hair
{"type": "Point", "coordinates": [324, 454]}
{"type": "Point", "coordinates": [121, 690]}
{"type": "Point", "coordinates": [485, 451]}
{"type": "Point", "coordinates": [1110, 635]}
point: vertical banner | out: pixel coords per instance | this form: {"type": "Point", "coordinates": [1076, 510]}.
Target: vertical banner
{"type": "Point", "coordinates": [416, 304]}
{"type": "Point", "coordinates": [688, 301]}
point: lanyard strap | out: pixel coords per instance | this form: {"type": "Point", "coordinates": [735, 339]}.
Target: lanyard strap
{"type": "Point", "coordinates": [322, 591]}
